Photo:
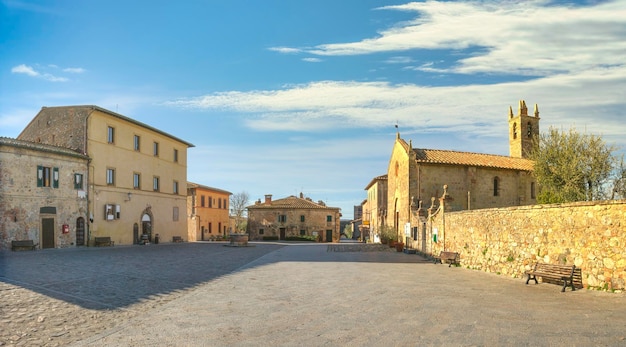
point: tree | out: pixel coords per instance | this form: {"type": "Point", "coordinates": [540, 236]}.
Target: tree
{"type": "Point", "coordinates": [347, 230]}
{"type": "Point", "coordinates": [570, 166]}
{"type": "Point", "coordinates": [238, 203]}
{"type": "Point", "coordinates": [619, 181]}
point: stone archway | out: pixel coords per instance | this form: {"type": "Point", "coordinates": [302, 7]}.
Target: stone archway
{"type": "Point", "coordinates": [147, 223]}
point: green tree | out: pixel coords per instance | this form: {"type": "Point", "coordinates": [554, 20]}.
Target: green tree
{"type": "Point", "coordinates": [570, 166]}
{"type": "Point", "coordinates": [347, 230]}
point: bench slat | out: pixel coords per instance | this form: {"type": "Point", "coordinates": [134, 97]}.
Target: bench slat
{"type": "Point", "coordinates": [564, 273]}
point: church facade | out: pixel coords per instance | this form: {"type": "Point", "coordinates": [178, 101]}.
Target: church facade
{"type": "Point", "coordinates": [416, 177]}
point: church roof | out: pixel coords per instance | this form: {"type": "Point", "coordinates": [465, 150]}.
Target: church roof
{"type": "Point", "coordinates": [292, 202]}
{"type": "Point", "coordinates": [437, 156]}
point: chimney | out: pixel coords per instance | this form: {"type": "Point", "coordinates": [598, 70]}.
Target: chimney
{"type": "Point", "coordinates": [301, 195]}
{"type": "Point", "coordinates": [268, 198]}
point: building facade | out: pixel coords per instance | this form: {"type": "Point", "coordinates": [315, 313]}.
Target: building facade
{"type": "Point", "coordinates": [374, 212]}
{"type": "Point", "coordinates": [208, 212]}
{"type": "Point", "coordinates": [42, 194]}
{"type": "Point", "coordinates": [293, 216]}
{"type": "Point", "coordinates": [137, 174]}
{"type": "Point", "coordinates": [416, 177]}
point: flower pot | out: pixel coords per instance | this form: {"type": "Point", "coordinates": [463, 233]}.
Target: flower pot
{"type": "Point", "coordinates": [399, 246]}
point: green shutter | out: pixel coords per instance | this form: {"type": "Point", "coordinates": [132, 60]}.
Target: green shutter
{"type": "Point", "coordinates": [55, 177]}
{"type": "Point", "coordinates": [39, 176]}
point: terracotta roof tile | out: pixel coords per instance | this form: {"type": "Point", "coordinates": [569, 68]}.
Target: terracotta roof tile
{"type": "Point", "coordinates": [292, 202]}
{"type": "Point", "coordinates": [437, 156]}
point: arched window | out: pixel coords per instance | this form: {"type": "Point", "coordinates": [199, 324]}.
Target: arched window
{"type": "Point", "coordinates": [496, 186]}
{"type": "Point", "coordinates": [514, 131]}
{"type": "Point", "coordinates": [530, 130]}
{"type": "Point", "coordinates": [397, 168]}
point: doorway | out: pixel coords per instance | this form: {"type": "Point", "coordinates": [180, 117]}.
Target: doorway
{"type": "Point", "coordinates": [80, 231]}
{"type": "Point", "coordinates": [47, 233]}
{"type": "Point", "coordinates": [146, 226]}
{"type": "Point", "coordinates": [282, 233]}
{"type": "Point", "coordinates": [329, 236]}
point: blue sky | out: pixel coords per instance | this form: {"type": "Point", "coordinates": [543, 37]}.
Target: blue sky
{"type": "Point", "coordinates": [282, 97]}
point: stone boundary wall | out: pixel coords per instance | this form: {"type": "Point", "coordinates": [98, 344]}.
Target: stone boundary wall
{"type": "Point", "coordinates": [508, 241]}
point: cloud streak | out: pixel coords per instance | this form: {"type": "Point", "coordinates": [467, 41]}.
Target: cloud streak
{"type": "Point", "coordinates": [32, 72]}
{"type": "Point", "coordinates": [514, 37]}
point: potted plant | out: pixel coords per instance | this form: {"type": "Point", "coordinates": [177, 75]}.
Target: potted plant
{"type": "Point", "coordinates": [399, 246]}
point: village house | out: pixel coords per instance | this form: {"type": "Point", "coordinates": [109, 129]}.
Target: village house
{"type": "Point", "coordinates": [42, 194]}
{"type": "Point", "coordinates": [208, 212]}
{"type": "Point", "coordinates": [374, 208]}
{"type": "Point", "coordinates": [293, 216]}
{"type": "Point", "coordinates": [416, 176]}
{"type": "Point", "coordinates": [137, 179]}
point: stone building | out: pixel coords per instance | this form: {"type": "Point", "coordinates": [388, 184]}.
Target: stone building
{"type": "Point", "coordinates": [474, 180]}
{"type": "Point", "coordinates": [374, 216]}
{"type": "Point", "coordinates": [208, 212]}
{"type": "Point", "coordinates": [42, 194]}
{"type": "Point", "coordinates": [137, 174]}
{"type": "Point", "coordinates": [293, 216]}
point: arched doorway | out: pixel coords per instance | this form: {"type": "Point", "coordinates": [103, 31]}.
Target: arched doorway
{"type": "Point", "coordinates": [80, 231]}
{"type": "Point", "coordinates": [146, 225]}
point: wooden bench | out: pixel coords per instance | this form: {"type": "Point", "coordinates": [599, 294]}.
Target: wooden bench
{"type": "Point", "coordinates": [177, 239]}
{"type": "Point", "coordinates": [104, 241]}
{"type": "Point", "coordinates": [26, 244]}
{"type": "Point", "coordinates": [448, 257]}
{"type": "Point", "coordinates": [553, 272]}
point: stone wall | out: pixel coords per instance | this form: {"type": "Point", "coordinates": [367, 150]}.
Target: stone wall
{"type": "Point", "coordinates": [507, 241]}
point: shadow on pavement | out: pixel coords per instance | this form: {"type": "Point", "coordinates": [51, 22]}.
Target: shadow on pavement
{"type": "Point", "coordinates": [117, 277]}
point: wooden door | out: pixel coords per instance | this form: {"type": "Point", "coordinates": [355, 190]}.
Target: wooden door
{"type": "Point", "coordinates": [80, 231]}
{"type": "Point", "coordinates": [47, 233]}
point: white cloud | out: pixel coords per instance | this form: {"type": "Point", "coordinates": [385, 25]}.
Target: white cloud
{"type": "Point", "coordinates": [312, 60]}
{"type": "Point", "coordinates": [74, 70]}
{"type": "Point", "coordinates": [565, 98]}
{"type": "Point", "coordinates": [30, 71]}
{"type": "Point", "coordinates": [514, 37]}
{"type": "Point", "coordinates": [286, 50]}
{"type": "Point", "coordinates": [25, 69]}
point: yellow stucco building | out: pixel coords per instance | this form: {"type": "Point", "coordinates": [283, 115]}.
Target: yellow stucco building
{"type": "Point", "coordinates": [137, 180]}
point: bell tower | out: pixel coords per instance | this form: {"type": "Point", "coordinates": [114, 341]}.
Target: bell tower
{"type": "Point", "coordinates": [523, 131]}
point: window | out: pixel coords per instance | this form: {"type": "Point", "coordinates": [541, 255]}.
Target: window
{"type": "Point", "coordinates": [496, 186]}
{"type": "Point", "coordinates": [261, 231]}
{"type": "Point", "coordinates": [111, 135]}
{"type": "Point", "coordinates": [302, 218]}
{"type": "Point", "coordinates": [302, 232]}
{"type": "Point", "coordinates": [225, 204]}
{"type": "Point", "coordinates": [219, 203]}
{"type": "Point", "coordinates": [202, 200]}
{"type": "Point", "coordinates": [175, 190]}
{"type": "Point", "coordinates": [532, 190]}
{"type": "Point", "coordinates": [136, 180]}
{"type": "Point", "coordinates": [155, 184]}
{"type": "Point", "coordinates": [329, 218]}
{"type": "Point", "coordinates": [47, 176]}
{"type": "Point", "coordinates": [282, 218]}
{"type": "Point", "coordinates": [175, 155]}
{"type": "Point", "coordinates": [210, 201]}
{"type": "Point", "coordinates": [514, 131]}
{"type": "Point", "coordinates": [78, 181]}
{"type": "Point", "coordinates": [530, 130]}
{"type": "Point", "coordinates": [155, 149]}
{"type": "Point", "coordinates": [137, 143]}
{"type": "Point", "coordinates": [110, 177]}
{"type": "Point", "coordinates": [175, 214]}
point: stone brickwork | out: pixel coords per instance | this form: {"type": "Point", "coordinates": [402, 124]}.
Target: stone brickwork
{"type": "Point", "coordinates": [300, 217]}
{"type": "Point", "coordinates": [590, 235]}
{"type": "Point", "coordinates": [23, 204]}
